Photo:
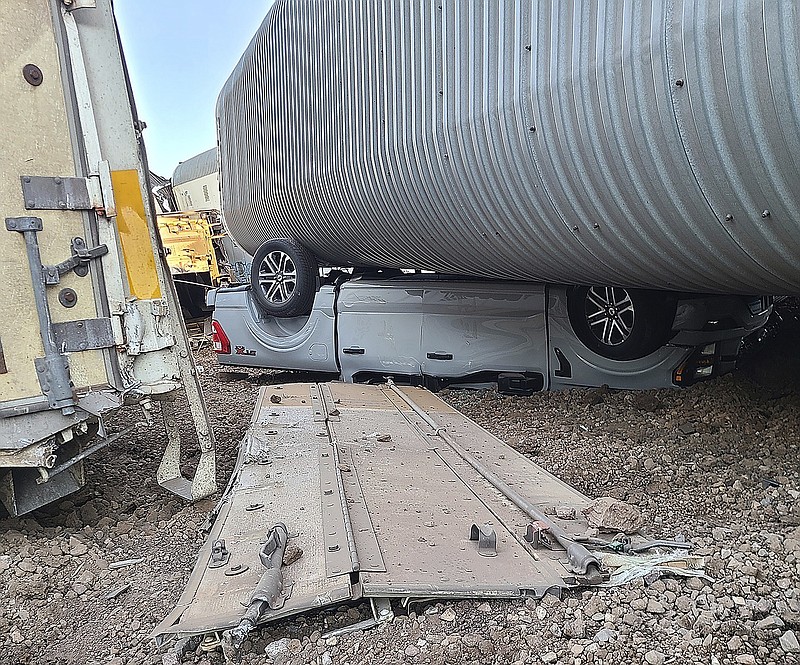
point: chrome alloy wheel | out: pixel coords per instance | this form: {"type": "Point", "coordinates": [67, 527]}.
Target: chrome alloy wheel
{"type": "Point", "coordinates": [277, 277]}
{"type": "Point", "coordinates": [610, 314]}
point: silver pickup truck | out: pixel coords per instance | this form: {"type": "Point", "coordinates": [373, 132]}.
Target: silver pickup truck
{"type": "Point", "coordinates": [436, 330]}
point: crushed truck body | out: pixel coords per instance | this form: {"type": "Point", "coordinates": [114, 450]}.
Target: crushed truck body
{"type": "Point", "coordinates": [343, 492]}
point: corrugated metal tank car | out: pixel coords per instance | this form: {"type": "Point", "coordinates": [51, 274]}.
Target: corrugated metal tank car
{"type": "Point", "coordinates": [648, 144]}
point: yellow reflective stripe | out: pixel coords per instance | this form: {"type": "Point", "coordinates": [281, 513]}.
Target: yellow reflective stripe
{"type": "Point", "coordinates": [134, 235]}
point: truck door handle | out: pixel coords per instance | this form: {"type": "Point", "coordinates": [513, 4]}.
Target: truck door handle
{"type": "Point", "coordinates": [354, 351]}
{"type": "Point", "coordinates": [440, 356]}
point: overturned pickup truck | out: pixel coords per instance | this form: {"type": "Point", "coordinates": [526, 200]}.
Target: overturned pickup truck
{"type": "Point", "coordinates": [434, 330]}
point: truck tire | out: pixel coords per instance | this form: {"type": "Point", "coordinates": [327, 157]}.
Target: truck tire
{"type": "Point", "coordinates": [618, 323]}
{"type": "Point", "coordinates": [284, 278]}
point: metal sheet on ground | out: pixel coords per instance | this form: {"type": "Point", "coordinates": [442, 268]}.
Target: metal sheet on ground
{"type": "Point", "coordinates": [380, 504]}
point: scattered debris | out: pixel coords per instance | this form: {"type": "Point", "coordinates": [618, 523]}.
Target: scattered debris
{"type": "Point", "coordinates": [292, 554]}
{"type": "Point", "coordinates": [448, 615]}
{"type": "Point", "coordinates": [612, 515]}
{"type": "Point", "coordinates": [117, 591]}
{"type": "Point", "coordinates": [625, 568]}
{"type": "Point", "coordinates": [125, 563]}
{"type": "Point", "coordinates": [565, 513]}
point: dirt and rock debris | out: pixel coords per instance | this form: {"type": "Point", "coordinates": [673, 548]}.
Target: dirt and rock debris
{"type": "Point", "coordinates": [87, 580]}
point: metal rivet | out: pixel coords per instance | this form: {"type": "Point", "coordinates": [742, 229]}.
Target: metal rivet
{"type": "Point", "coordinates": [57, 180]}
{"type": "Point", "coordinates": [27, 178]}
{"type": "Point", "coordinates": [12, 224]}
{"type": "Point", "coordinates": [32, 74]}
{"type": "Point", "coordinates": [679, 83]}
{"type": "Point", "coordinates": [765, 214]}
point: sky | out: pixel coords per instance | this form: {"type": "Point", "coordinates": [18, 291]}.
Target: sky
{"type": "Point", "coordinates": [179, 54]}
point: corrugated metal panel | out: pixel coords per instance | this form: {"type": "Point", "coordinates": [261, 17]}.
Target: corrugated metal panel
{"type": "Point", "coordinates": [616, 142]}
{"type": "Point", "coordinates": [196, 167]}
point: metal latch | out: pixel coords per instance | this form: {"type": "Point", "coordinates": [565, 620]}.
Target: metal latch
{"type": "Point", "coordinates": [77, 263]}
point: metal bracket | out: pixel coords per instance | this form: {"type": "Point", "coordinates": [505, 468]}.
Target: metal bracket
{"type": "Point", "coordinates": [54, 380]}
{"type": "Point", "coordinates": [486, 537]}
{"type": "Point", "coordinates": [77, 263]}
{"type": "Point", "coordinates": [219, 554]}
{"type": "Point", "coordinates": [169, 474]}
{"type": "Point", "coordinates": [75, 336]}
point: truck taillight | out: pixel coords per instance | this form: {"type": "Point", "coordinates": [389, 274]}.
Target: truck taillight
{"type": "Point", "coordinates": [219, 339]}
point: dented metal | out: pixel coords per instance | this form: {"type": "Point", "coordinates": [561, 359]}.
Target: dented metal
{"type": "Point", "coordinates": [381, 506]}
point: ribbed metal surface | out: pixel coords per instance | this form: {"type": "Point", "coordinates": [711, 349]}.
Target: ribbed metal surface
{"type": "Point", "coordinates": [195, 167]}
{"type": "Point", "coordinates": [651, 144]}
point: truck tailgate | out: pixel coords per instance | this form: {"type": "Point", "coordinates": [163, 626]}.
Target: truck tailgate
{"type": "Point", "coordinates": [380, 504]}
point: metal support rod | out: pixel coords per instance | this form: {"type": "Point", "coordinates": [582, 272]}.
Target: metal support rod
{"type": "Point", "coordinates": [580, 557]}
{"type": "Point", "coordinates": [72, 461]}
{"type": "Point", "coordinates": [53, 369]}
{"type": "Point", "coordinates": [39, 292]}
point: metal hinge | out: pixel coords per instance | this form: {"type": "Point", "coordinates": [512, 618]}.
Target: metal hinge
{"type": "Point", "coordinates": [70, 193]}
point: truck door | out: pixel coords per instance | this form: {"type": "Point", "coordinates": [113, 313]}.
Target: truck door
{"type": "Point", "coordinates": [471, 327]}
{"type": "Point", "coordinates": [380, 328]}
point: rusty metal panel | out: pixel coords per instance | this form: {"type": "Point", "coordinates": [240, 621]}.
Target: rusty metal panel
{"type": "Point", "coordinates": [649, 144]}
{"type": "Point", "coordinates": [380, 505]}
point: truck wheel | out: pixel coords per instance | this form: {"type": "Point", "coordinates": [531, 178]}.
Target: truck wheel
{"type": "Point", "coordinates": [621, 324]}
{"type": "Point", "coordinates": [284, 278]}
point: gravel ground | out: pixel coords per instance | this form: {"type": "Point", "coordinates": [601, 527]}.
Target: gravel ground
{"type": "Point", "coordinates": [717, 462]}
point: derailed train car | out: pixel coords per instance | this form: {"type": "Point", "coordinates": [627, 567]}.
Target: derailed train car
{"type": "Point", "coordinates": [89, 320]}
{"type": "Point", "coordinates": [648, 145]}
